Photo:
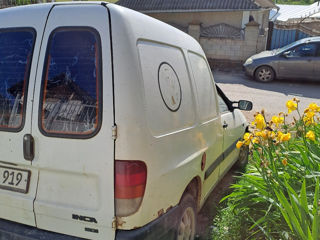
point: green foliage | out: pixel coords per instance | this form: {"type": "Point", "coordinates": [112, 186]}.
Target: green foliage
{"type": "Point", "coordinates": [229, 226]}
{"type": "Point", "coordinates": [278, 195]}
{"type": "Point", "coordinates": [295, 2]}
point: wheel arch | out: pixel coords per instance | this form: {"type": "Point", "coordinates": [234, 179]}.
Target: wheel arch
{"type": "Point", "coordinates": [194, 188]}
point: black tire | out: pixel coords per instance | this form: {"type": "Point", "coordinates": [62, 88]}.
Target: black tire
{"type": "Point", "coordinates": [243, 158]}
{"type": "Point", "coordinates": [264, 74]}
{"type": "Point", "coordinates": [186, 228]}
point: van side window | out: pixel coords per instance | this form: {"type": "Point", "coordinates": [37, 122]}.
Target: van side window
{"type": "Point", "coordinates": [71, 97]}
{"type": "Point", "coordinates": [16, 49]}
{"type": "Point", "coordinates": [205, 89]}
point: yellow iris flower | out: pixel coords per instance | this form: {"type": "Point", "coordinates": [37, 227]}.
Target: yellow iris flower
{"type": "Point", "coordinates": [314, 107]}
{"type": "Point", "coordinates": [247, 138]}
{"type": "Point", "coordinates": [285, 137]}
{"type": "Point", "coordinates": [239, 144]}
{"type": "Point", "coordinates": [310, 134]}
{"type": "Point", "coordinates": [259, 122]}
{"type": "Point", "coordinates": [277, 120]}
{"type": "Point", "coordinates": [291, 105]}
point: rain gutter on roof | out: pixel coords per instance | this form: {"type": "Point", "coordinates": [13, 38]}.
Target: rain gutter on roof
{"type": "Point", "coordinates": [198, 10]}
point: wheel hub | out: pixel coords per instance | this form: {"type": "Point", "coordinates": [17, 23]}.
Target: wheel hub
{"type": "Point", "coordinates": [187, 225]}
{"type": "Point", "coordinates": [265, 75]}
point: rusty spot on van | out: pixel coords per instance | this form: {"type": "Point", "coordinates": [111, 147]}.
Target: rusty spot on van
{"type": "Point", "coordinates": [169, 208]}
{"type": "Point", "coordinates": [160, 212]}
{"type": "Point", "coordinates": [119, 222]}
{"type": "Point", "coordinates": [203, 161]}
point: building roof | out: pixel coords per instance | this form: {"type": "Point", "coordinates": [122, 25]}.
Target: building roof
{"type": "Point", "coordinates": [266, 4]}
{"type": "Point", "coordinates": [287, 12]}
{"type": "Point", "coordinates": [189, 5]}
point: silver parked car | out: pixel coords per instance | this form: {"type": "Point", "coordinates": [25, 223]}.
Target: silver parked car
{"type": "Point", "coordinates": [298, 60]}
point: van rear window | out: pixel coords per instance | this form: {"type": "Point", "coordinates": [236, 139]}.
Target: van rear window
{"type": "Point", "coordinates": [16, 49]}
{"type": "Point", "coordinates": [71, 97]}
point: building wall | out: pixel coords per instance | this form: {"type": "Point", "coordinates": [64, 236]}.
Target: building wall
{"type": "Point", "coordinates": [224, 49]}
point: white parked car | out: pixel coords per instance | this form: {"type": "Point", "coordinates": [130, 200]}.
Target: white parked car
{"type": "Point", "coordinates": [111, 126]}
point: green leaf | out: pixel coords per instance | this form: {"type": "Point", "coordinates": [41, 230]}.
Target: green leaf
{"type": "Point", "coordinates": [315, 210]}
{"type": "Point", "coordinates": [304, 206]}
{"type": "Point", "coordinates": [290, 216]}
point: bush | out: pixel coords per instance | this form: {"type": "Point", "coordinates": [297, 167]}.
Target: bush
{"type": "Point", "coordinates": [278, 196]}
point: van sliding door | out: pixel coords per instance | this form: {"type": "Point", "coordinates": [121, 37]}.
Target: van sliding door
{"type": "Point", "coordinates": [72, 124]}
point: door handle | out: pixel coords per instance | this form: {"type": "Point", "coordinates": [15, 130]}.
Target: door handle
{"type": "Point", "coordinates": [225, 125]}
{"type": "Point", "coordinates": [28, 147]}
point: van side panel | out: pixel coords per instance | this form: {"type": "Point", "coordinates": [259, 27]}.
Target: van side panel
{"type": "Point", "coordinates": [169, 101]}
{"type": "Point", "coordinates": [171, 150]}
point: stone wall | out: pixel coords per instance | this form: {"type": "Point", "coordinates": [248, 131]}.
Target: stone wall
{"type": "Point", "coordinates": [235, 49]}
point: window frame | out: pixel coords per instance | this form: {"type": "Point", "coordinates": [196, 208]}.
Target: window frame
{"type": "Point", "coordinates": [99, 85]}
{"type": "Point", "coordinates": [225, 99]}
{"type": "Point", "coordinates": [27, 77]}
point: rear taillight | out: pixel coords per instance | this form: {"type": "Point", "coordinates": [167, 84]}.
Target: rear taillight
{"type": "Point", "coordinates": [130, 183]}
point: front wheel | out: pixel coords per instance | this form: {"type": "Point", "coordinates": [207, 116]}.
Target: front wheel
{"type": "Point", "coordinates": [242, 161]}
{"type": "Point", "coordinates": [264, 74]}
{"type": "Point", "coordinates": [187, 220]}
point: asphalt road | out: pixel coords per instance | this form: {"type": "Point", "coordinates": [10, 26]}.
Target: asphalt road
{"type": "Point", "coordinates": [271, 96]}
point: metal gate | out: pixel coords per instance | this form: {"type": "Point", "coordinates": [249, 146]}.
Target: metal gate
{"type": "Point", "coordinates": [282, 37]}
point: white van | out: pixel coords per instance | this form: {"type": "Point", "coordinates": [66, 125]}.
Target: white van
{"type": "Point", "coordinates": [111, 126]}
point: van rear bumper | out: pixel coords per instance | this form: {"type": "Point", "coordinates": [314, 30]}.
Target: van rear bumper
{"type": "Point", "coordinates": [15, 231]}
{"type": "Point", "coordinates": [163, 228]}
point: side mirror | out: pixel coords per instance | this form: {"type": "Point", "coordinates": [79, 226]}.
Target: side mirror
{"type": "Point", "coordinates": [244, 105]}
{"type": "Point", "coordinates": [286, 54]}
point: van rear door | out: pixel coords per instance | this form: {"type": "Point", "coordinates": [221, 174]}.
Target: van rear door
{"type": "Point", "coordinates": [72, 124]}
{"type": "Point", "coordinates": [20, 36]}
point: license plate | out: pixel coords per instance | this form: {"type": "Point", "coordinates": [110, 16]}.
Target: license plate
{"type": "Point", "coordinates": [14, 179]}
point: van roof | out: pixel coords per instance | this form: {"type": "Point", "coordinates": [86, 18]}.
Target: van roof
{"type": "Point", "coordinates": [156, 30]}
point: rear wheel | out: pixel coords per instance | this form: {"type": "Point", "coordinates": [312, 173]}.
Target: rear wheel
{"type": "Point", "coordinates": [187, 220]}
{"type": "Point", "coordinates": [264, 74]}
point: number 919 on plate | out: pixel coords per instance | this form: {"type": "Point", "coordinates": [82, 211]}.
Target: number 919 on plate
{"type": "Point", "coordinates": [14, 179]}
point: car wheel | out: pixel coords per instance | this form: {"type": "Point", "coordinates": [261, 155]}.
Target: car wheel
{"type": "Point", "coordinates": [187, 220]}
{"type": "Point", "coordinates": [264, 74]}
{"type": "Point", "coordinates": [243, 158]}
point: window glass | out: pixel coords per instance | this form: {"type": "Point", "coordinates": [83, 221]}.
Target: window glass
{"type": "Point", "coordinates": [71, 83]}
{"type": "Point", "coordinates": [223, 107]}
{"type": "Point", "coordinates": [304, 50]}
{"type": "Point", "coordinates": [205, 88]}
{"type": "Point", "coordinates": [16, 48]}
{"type": "Point", "coordinates": [318, 50]}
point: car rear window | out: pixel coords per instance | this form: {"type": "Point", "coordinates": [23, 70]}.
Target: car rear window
{"type": "Point", "coordinates": [16, 49]}
{"type": "Point", "coordinates": [71, 97]}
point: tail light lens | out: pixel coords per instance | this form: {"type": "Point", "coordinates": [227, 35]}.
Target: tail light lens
{"type": "Point", "coordinates": [130, 184]}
